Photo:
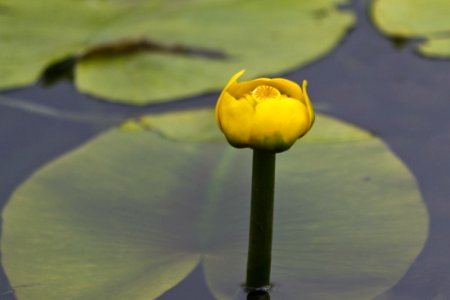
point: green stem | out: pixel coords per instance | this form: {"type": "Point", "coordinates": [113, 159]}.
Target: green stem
{"type": "Point", "coordinates": [261, 220]}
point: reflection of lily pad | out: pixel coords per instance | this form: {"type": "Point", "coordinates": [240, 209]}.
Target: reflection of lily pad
{"type": "Point", "coordinates": [146, 51]}
{"type": "Point", "coordinates": [130, 214]}
{"type": "Point", "coordinates": [416, 19]}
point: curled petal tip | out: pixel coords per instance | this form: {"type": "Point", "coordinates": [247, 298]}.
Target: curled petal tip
{"type": "Point", "coordinates": [308, 103]}
{"type": "Point", "coordinates": [232, 81]}
{"type": "Point", "coordinates": [241, 72]}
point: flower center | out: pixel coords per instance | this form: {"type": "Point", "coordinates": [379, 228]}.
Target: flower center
{"type": "Point", "coordinates": [265, 92]}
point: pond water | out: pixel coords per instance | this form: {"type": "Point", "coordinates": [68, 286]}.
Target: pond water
{"type": "Point", "coordinates": [367, 80]}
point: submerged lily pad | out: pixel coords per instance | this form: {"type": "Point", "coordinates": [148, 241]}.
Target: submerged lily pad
{"type": "Point", "coordinates": [422, 19]}
{"type": "Point", "coordinates": [129, 214]}
{"type": "Point", "coordinates": [139, 52]}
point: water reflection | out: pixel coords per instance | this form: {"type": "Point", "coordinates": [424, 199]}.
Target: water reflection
{"type": "Point", "coordinates": [258, 295]}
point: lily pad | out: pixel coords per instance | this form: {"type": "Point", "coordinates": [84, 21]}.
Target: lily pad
{"type": "Point", "coordinates": [129, 214]}
{"type": "Point", "coordinates": [139, 52]}
{"type": "Point", "coordinates": [418, 19]}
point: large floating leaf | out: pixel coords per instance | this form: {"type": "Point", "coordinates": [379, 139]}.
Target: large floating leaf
{"type": "Point", "coordinates": [130, 214]}
{"type": "Point", "coordinates": [140, 52]}
{"type": "Point", "coordinates": [416, 19]}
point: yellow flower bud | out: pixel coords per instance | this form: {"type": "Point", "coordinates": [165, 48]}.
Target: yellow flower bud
{"type": "Point", "coordinates": [264, 114]}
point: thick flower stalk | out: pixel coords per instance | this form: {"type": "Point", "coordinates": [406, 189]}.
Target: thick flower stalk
{"type": "Point", "coordinates": [267, 115]}
{"type": "Point", "coordinates": [264, 114]}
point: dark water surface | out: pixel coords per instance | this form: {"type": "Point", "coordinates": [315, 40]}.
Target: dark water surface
{"type": "Point", "coordinates": [398, 95]}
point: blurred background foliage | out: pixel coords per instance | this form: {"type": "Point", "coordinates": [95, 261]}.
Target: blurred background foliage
{"type": "Point", "coordinates": [139, 52]}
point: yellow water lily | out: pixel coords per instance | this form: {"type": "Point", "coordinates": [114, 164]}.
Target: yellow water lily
{"type": "Point", "coordinates": [264, 114]}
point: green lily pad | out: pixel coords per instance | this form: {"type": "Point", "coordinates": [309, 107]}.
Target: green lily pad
{"type": "Point", "coordinates": [416, 19]}
{"type": "Point", "coordinates": [129, 214]}
{"type": "Point", "coordinates": [139, 52]}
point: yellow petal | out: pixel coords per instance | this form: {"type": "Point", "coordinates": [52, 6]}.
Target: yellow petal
{"type": "Point", "coordinates": [288, 87]}
{"type": "Point", "coordinates": [232, 81]}
{"type": "Point", "coordinates": [241, 88]}
{"type": "Point", "coordinates": [312, 116]}
{"type": "Point", "coordinates": [234, 117]}
{"type": "Point", "coordinates": [267, 114]}
{"type": "Point", "coordinates": [277, 124]}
